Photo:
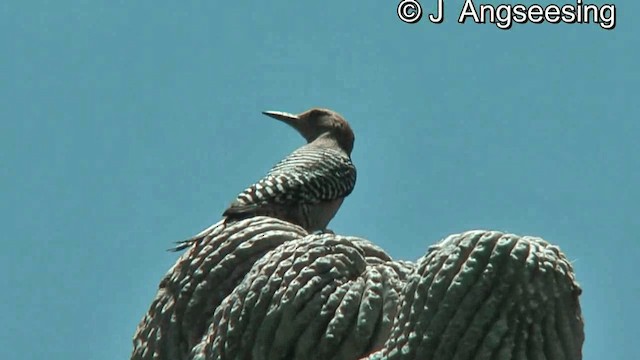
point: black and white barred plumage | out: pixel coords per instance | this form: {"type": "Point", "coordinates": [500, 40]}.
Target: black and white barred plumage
{"type": "Point", "coordinates": [310, 175]}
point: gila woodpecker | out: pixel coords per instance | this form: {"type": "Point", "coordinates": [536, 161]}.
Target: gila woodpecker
{"type": "Point", "coordinates": [307, 187]}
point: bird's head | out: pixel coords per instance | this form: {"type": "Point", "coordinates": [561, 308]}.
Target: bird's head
{"type": "Point", "coordinates": [319, 123]}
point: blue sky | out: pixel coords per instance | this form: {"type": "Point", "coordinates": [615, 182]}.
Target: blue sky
{"type": "Point", "coordinates": [126, 125]}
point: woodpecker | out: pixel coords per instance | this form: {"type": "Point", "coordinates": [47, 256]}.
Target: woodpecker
{"type": "Point", "coordinates": [307, 187]}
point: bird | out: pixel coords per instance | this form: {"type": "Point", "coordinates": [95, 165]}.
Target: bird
{"type": "Point", "coordinates": [306, 188]}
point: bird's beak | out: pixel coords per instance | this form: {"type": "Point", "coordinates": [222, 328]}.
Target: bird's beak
{"type": "Point", "coordinates": [291, 119]}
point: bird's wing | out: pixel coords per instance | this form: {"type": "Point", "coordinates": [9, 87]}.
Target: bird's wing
{"type": "Point", "coordinates": [308, 175]}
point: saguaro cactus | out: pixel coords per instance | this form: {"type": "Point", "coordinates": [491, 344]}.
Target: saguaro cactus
{"type": "Point", "coordinates": [262, 288]}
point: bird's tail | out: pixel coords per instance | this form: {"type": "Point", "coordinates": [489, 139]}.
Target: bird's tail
{"type": "Point", "coordinates": [210, 231]}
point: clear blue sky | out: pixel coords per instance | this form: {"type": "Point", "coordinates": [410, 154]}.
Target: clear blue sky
{"type": "Point", "coordinates": [126, 125]}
